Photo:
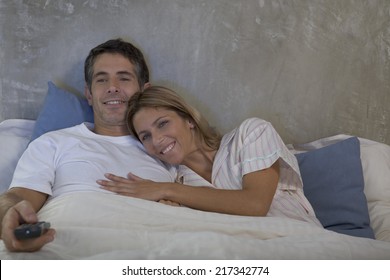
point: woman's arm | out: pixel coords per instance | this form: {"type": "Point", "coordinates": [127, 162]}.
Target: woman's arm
{"type": "Point", "coordinates": [254, 199]}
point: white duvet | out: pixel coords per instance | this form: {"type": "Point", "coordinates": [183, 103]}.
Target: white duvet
{"type": "Point", "coordinates": [106, 226]}
{"type": "Point", "coordinates": [94, 225]}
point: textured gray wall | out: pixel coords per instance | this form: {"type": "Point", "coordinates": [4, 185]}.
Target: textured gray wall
{"type": "Point", "coordinates": [313, 68]}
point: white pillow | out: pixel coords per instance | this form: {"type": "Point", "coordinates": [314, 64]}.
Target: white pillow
{"type": "Point", "coordinates": [15, 135]}
{"type": "Point", "coordinates": [376, 171]}
{"type": "Point", "coordinates": [376, 168]}
{"type": "Point", "coordinates": [375, 159]}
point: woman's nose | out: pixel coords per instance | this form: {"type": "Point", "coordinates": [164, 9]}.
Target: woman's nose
{"type": "Point", "coordinates": [157, 139]}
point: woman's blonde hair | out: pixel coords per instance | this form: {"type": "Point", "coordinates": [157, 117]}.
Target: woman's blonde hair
{"type": "Point", "coordinates": [162, 97]}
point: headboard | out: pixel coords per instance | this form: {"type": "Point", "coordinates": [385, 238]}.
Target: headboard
{"type": "Point", "coordinates": [312, 68]}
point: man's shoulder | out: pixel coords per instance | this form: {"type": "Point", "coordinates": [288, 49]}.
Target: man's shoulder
{"type": "Point", "coordinates": [77, 129]}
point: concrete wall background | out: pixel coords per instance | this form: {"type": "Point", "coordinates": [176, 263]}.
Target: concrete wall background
{"type": "Point", "coordinates": [314, 68]}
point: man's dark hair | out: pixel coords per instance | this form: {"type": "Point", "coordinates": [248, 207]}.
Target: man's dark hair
{"type": "Point", "coordinates": [118, 46]}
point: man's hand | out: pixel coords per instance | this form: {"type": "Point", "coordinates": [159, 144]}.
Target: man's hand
{"type": "Point", "coordinates": [22, 212]}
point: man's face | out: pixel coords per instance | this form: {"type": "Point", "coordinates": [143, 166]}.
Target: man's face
{"type": "Point", "coordinates": [114, 81]}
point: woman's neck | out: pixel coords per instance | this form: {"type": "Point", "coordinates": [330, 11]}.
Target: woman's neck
{"type": "Point", "coordinates": [201, 162]}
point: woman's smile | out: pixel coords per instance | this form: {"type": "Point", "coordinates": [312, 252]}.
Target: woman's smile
{"type": "Point", "coordinates": [164, 134]}
{"type": "Point", "coordinates": [169, 148]}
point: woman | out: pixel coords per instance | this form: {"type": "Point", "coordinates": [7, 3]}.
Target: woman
{"type": "Point", "coordinates": [248, 171]}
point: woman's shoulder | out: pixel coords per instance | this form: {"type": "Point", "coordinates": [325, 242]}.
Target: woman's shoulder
{"type": "Point", "coordinates": [248, 129]}
{"type": "Point", "coordinates": [253, 122]}
{"type": "Point", "coordinates": [254, 125]}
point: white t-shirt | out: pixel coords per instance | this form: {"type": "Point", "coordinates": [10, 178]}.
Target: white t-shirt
{"type": "Point", "coordinates": [72, 159]}
{"type": "Point", "coordinates": [253, 146]}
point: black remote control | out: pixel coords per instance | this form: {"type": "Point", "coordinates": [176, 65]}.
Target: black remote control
{"type": "Point", "coordinates": [26, 231]}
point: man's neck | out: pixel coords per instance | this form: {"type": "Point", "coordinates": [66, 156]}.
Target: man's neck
{"type": "Point", "coordinates": [111, 131]}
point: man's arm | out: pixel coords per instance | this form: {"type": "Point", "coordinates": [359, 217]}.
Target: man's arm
{"type": "Point", "coordinates": [16, 195]}
{"type": "Point", "coordinates": [17, 206]}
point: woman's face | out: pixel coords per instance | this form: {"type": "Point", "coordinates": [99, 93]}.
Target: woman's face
{"type": "Point", "coordinates": [165, 134]}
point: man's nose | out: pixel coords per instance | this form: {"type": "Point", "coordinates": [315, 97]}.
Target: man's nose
{"type": "Point", "coordinates": [113, 88]}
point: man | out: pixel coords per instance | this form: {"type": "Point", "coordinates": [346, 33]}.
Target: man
{"type": "Point", "coordinates": [73, 159]}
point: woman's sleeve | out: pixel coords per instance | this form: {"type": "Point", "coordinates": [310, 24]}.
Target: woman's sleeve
{"type": "Point", "coordinates": [262, 146]}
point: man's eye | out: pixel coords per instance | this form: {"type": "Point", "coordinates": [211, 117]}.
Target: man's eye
{"type": "Point", "coordinates": [101, 80]}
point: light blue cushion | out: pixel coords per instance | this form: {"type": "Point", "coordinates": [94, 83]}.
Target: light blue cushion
{"type": "Point", "coordinates": [61, 109]}
{"type": "Point", "coordinates": [333, 182]}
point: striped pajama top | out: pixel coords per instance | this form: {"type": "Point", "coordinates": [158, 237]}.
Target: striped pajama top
{"type": "Point", "coordinates": [253, 146]}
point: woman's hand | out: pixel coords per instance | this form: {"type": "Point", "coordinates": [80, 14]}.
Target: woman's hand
{"type": "Point", "coordinates": [168, 202]}
{"type": "Point", "coordinates": [134, 186]}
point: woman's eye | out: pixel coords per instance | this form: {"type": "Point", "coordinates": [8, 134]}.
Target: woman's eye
{"type": "Point", "coordinates": [145, 137]}
{"type": "Point", "coordinates": [162, 124]}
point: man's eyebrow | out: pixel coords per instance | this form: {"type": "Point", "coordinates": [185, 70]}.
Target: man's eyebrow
{"type": "Point", "coordinates": [100, 73]}
{"type": "Point", "coordinates": [124, 72]}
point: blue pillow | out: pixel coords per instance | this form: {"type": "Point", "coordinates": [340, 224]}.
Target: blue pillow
{"type": "Point", "coordinates": [61, 109]}
{"type": "Point", "coordinates": [333, 182]}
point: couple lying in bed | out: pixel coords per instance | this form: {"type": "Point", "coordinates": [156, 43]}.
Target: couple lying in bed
{"type": "Point", "coordinates": [248, 171]}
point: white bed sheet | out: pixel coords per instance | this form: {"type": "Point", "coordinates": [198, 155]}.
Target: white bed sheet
{"type": "Point", "coordinates": [106, 226]}
{"type": "Point", "coordinates": [115, 227]}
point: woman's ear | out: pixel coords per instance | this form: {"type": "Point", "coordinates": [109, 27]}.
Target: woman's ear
{"type": "Point", "coordinates": [190, 123]}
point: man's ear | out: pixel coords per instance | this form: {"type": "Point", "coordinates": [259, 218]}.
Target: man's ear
{"type": "Point", "coordinates": [146, 85]}
{"type": "Point", "coordinates": [88, 95]}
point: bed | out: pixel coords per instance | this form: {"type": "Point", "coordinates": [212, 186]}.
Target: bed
{"type": "Point", "coordinates": [346, 178]}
